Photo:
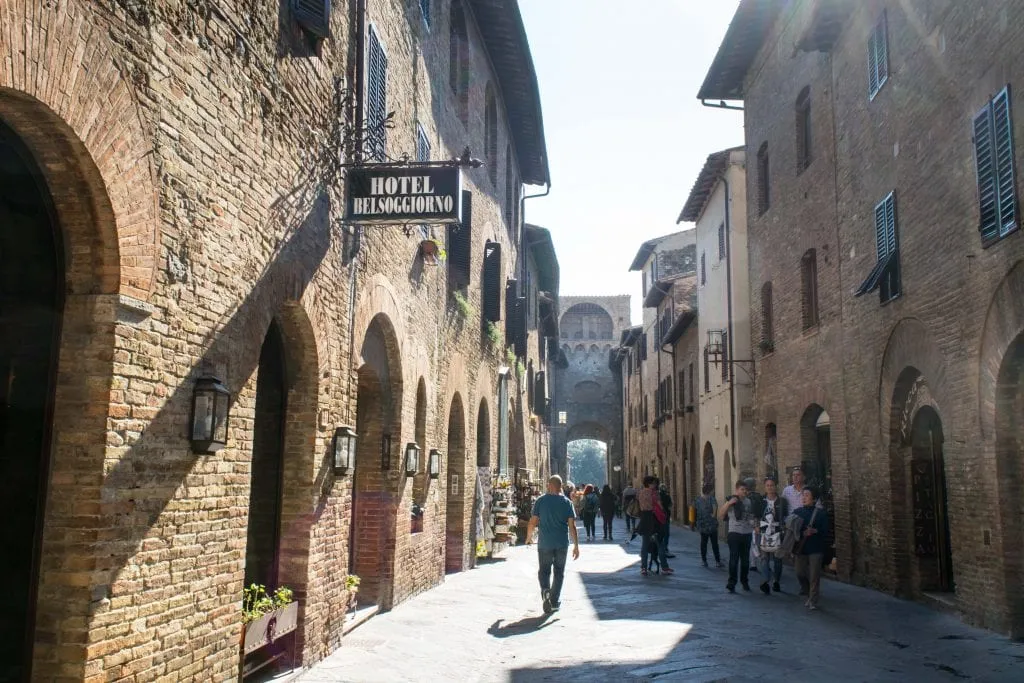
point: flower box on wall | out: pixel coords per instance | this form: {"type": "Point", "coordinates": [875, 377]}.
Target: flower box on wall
{"type": "Point", "coordinates": [270, 627]}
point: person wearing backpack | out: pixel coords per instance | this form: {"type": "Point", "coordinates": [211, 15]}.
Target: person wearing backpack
{"type": "Point", "coordinates": [628, 498]}
{"type": "Point", "coordinates": [706, 511]}
{"type": "Point", "coordinates": [591, 503]}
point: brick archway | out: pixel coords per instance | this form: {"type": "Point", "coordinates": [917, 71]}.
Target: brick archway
{"type": "Point", "coordinates": [455, 501]}
{"type": "Point", "coordinates": [63, 93]}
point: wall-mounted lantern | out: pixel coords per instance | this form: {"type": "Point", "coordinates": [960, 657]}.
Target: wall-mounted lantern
{"type": "Point", "coordinates": [344, 449]}
{"type": "Point", "coordinates": [434, 464]}
{"type": "Point", "coordinates": [210, 401]}
{"type": "Point", "coordinates": [385, 452]}
{"type": "Point", "coordinates": [412, 458]}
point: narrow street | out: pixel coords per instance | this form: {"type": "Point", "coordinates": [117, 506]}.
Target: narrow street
{"type": "Point", "coordinates": [614, 625]}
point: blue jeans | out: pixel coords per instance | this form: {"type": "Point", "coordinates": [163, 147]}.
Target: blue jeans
{"type": "Point", "coordinates": [769, 564]}
{"type": "Point", "coordinates": [552, 557]}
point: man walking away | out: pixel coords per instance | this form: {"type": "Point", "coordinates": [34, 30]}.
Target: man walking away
{"type": "Point", "coordinates": [628, 496]}
{"type": "Point", "coordinates": [706, 508]}
{"type": "Point", "coordinates": [666, 505]}
{"type": "Point", "coordinates": [608, 505]}
{"type": "Point", "coordinates": [811, 550]}
{"type": "Point", "coordinates": [591, 504]}
{"type": "Point", "coordinates": [554, 515]}
{"type": "Point", "coordinates": [774, 511]}
{"type": "Point", "coordinates": [740, 514]}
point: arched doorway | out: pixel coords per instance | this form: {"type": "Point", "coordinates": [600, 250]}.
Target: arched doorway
{"type": "Point", "coordinates": [1009, 432]}
{"type": "Point", "coordinates": [378, 423]}
{"type": "Point", "coordinates": [263, 540]}
{"type": "Point", "coordinates": [455, 504]}
{"type": "Point", "coordinates": [421, 481]}
{"type": "Point", "coordinates": [31, 308]}
{"type": "Point", "coordinates": [928, 503]}
{"type": "Point", "coordinates": [708, 466]}
{"type": "Point", "coordinates": [483, 436]}
{"type": "Point", "coordinates": [816, 463]}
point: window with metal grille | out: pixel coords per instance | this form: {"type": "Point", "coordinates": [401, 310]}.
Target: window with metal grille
{"type": "Point", "coordinates": [707, 372]}
{"type": "Point", "coordinates": [763, 181]}
{"type": "Point", "coordinates": [725, 356]}
{"type": "Point", "coordinates": [803, 130]}
{"type": "Point", "coordinates": [460, 245]}
{"type": "Point", "coordinates": [721, 241]}
{"type": "Point", "coordinates": [491, 133]}
{"type": "Point", "coordinates": [878, 56]}
{"type": "Point", "coordinates": [425, 9]}
{"type": "Point", "coordinates": [314, 16]}
{"type": "Point", "coordinates": [423, 154]}
{"type": "Point", "coordinates": [993, 157]}
{"type": "Point", "coordinates": [809, 288]}
{"type": "Point", "coordinates": [491, 294]}
{"type": "Point", "coordinates": [767, 321]}
{"type": "Point", "coordinates": [376, 98]}
{"type": "Point", "coordinates": [458, 65]}
{"type": "Point", "coordinates": [703, 269]}
{"type": "Point", "coordinates": [885, 276]}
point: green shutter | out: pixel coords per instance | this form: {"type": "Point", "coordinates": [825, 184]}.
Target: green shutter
{"type": "Point", "coordinates": [1002, 130]}
{"type": "Point", "coordinates": [376, 98]}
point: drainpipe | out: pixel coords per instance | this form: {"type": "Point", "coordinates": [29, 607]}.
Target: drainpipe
{"type": "Point", "coordinates": [522, 220]}
{"type": "Point", "coordinates": [728, 298]}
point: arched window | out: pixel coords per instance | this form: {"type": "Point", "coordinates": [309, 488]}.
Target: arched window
{"type": "Point", "coordinates": [809, 287]}
{"type": "Point", "coordinates": [764, 198]}
{"type": "Point", "coordinates": [803, 129]}
{"type": "Point", "coordinates": [587, 320]}
{"type": "Point", "coordinates": [491, 133]}
{"type": "Point", "coordinates": [458, 74]}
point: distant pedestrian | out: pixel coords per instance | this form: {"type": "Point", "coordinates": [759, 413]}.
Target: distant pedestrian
{"type": "Point", "coordinates": [706, 509]}
{"type": "Point", "coordinates": [608, 505]}
{"type": "Point", "coordinates": [591, 505]}
{"type": "Point", "coordinates": [553, 514]}
{"type": "Point", "coordinates": [739, 512]}
{"type": "Point", "coordinates": [648, 525]}
{"type": "Point", "coordinates": [666, 504]}
{"type": "Point", "coordinates": [811, 548]}
{"type": "Point", "coordinates": [628, 496]}
{"type": "Point", "coordinates": [663, 519]}
{"type": "Point", "coordinates": [794, 493]}
{"type": "Point", "coordinates": [772, 514]}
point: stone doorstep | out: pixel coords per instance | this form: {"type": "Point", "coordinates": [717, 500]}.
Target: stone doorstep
{"type": "Point", "coordinates": [362, 615]}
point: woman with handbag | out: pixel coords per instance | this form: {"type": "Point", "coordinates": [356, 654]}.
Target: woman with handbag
{"type": "Point", "coordinates": [811, 549]}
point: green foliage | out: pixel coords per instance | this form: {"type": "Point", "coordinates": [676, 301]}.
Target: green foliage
{"type": "Point", "coordinates": [352, 583]}
{"type": "Point", "coordinates": [493, 333]}
{"type": "Point", "coordinates": [256, 601]}
{"type": "Point", "coordinates": [510, 357]}
{"type": "Point", "coordinates": [520, 368]}
{"type": "Point", "coordinates": [462, 304]}
{"type": "Point", "coordinates": [587, 462]}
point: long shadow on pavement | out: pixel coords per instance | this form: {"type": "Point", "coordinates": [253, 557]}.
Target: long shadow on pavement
{"type": "Point", "coordinates": [521, 627]}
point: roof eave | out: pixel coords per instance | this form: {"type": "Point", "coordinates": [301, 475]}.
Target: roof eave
{"type": "Point", "coordinates": [742, 42]}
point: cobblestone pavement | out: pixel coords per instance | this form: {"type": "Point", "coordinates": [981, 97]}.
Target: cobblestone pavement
{"type": "Point", "coordinates": [614, 625]}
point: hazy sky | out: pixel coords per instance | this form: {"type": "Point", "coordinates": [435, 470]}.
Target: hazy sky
{"type": "Point", "coordinates": [626, 135]}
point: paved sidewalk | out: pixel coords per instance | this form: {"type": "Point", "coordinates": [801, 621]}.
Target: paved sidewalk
{"type": "Point", "coordinates": [614, 625]}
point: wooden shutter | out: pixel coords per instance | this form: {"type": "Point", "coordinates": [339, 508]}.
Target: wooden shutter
{"type": "Point", "coordinates": [985, 169]}
{"type": "Point", "coordinates": [492, 282]}
{"type": "Point", "coordinates": [511, 293]}
{"type": "Point", "coordinates": [1002, 134]}
{"type": "Point", "coordinates": [878, 56]}
{"type": "Point", "coordinates": [376, 97]}
{"type": "Point", "coordinates": [540, 391]}
{"type": "Point", "coordinates": [314, 16]}
{"type": "Point", "coordinates": [460, 245]}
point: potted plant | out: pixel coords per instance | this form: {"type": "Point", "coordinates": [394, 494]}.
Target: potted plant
{"type": "Point", "coordinates": [492, 333]}
{"type": "Point", "coordinates": [432, 252]}
{"type": "Point", "coordinates": [267, 616]}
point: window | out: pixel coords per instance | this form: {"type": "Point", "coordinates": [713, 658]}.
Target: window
{"type": "Point", "coordinates": [425, 9]}
{"type": "Point", "coordinates": [703, 269]}
{"type": "Point", "coordinates": [803, 130]}
{"type": "Point", "coordinates": [643, 346]}
{"type": "Point", "coordinates": [563, 417]}
{"type": "Point", "coordinates": [423, 154]}
{"type": "Point", "coordinates": [458, 66]}
{"type": "Point", "coordinates": [767, 321]}
{"type": "Point", "coordinates": [691, 384]}
{"type": "Point", "coordinates": [993, 157]}
{"type": "Point", "coordinates": [681, 388]}
{"type": "Point", "coordinates": [491, 133]}
{"type": "Point", "coordinates": [314, 16]}
{"type": "Point", "coordinates": [809, 288]}
{"type": "Point", "coordinates": [511, 195]}
{"type": "Point", "coordinates": [491, 294]}
{"type": "Point", "coordinates": [530, 388]}
{"type": "Point", "coordinates": [763, 170]}
{"type": "Point", "coordinates": [885, 276]}
{"type": "Point", "coordinates": [878, 57]}
{"type": "Point", "coordinates": [725, 356]}
{"type": "Point", "coordinates": [707, 373]}
{"type": "Point", "coordinates": [460, 245]}
{"type": "Point", "coordinates": [721, 241]}
{"type": "Point", "coordinates": [376, 98]}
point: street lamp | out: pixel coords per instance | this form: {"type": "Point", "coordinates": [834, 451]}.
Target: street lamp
{"type": "Point", "coordinates": [344, 449]}
{"type": "Point", "coordinates": [210, 400]}
{"type": "Point", "coordinates": [434, 466]}
{"type": "Point", "coordinates": [412, 458]}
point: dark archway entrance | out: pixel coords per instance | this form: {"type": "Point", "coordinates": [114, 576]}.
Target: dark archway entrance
{"type": "Point", "coordinates": [708, 466]}
{"type": "Point", "coordinates": [816, 462]}
{"type": "Point", "coordinates": [928, 503]}
{"type": "Point", "coordinates": [31, 307]}
{"type": "Point", "coordinates": [1009, 426]}
{"type": "Point", "coordinates": [483, 436]}
{"type": "Point", "coordinates": [455, 505]}
{"type": "Point", "coordinates": [264, 534]}
{"type": "Point", "coordinates": [378, 423]}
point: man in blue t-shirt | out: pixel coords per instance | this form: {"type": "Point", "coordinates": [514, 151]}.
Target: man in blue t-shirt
{"type": "Point", "coordinates": [555, 516]}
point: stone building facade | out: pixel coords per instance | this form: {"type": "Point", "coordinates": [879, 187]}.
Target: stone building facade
{"type": "Point", "coordinates": [717, 205]}
{"type": "Point", "coordinates": [887, 205]}
{"type": "Point", "coordinates": [586, 395]}
{"type": "Point", "coordinates": [172, 196]}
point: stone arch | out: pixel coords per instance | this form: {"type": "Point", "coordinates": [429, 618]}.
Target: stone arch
{"type": "Point", "coordinates": [83, 125]}
{"type": "Point", "coordinates": [588, 430]}
{"type": "Point", "coordinates": [909, 346]}
{"type": "Point", "coordinates": [483, 436]}
{"type": "Point", "coordinates": [379, 425]}
{"type": "Point", "coordinates": [1004, 322]}
{"type": "Point", "coordinates": [1009, 445]}
{"type": "Point", "coordinates": [708, 466]}
{"type": "Point", "coordinates": [587, 321]}
{"type": "Point", "coordinates": [456, 497]}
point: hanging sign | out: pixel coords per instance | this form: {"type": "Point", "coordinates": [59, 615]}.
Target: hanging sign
{"type": "Point", "coordinates": [395, 195]}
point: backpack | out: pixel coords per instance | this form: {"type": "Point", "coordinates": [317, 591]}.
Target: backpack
{"type": "Point", "coordinates": [590, 502]}
{"type": "Point", "coordinates": [633, 508]}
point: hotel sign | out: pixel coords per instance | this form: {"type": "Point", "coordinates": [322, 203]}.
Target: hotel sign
{"type": "Point", "coordinates": [394, 195]}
